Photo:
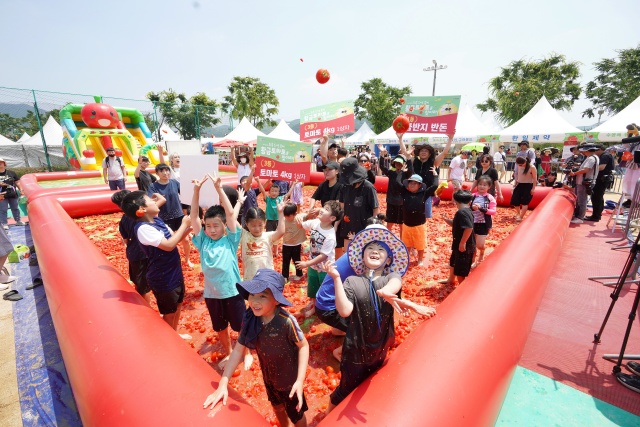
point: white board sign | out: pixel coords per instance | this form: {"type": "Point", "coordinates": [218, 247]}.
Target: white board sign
{"type": "Point", "coordinates": [184, 148]}
{"type": "Point", "coordinates": [196, 167]}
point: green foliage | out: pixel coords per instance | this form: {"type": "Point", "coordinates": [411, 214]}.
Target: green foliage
{"type": "Point", "coordinates": [188, 115]}
{"type": "Point", "coordinates": [616, 85]}
{"type": "Point", "coordinates": [150, 121]}
{"type": "Point", "coordinates": [378, 103]}
{"type": "Point", "coordinates": [522, 83]}
{"type": "Point", "coordinates": [14, 127]}
{"type": "Point", "coordinates": [249, 97]}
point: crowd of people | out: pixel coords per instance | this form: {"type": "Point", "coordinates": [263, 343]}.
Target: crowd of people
{"type": "Point", "coordinates": [356, 298]}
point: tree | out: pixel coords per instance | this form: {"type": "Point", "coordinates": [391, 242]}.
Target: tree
{"type": "Point", "coordinates": [188, 115]}
{"type": "Point", "coordinates": [617, 84]}
{"type": "Point", "coordinates": [249, 97]}
{"type": "Point", "coordinates": [522, 83]}
{"type": "Point", "coordinates": [378, 103]}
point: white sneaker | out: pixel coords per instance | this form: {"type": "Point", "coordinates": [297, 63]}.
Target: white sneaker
{"type": "Point", "coordinates": [5, 226]}
{"type": "Point", "coordinates": [3, 287]}
{"type": "Point", "coordinates": [576, 221]}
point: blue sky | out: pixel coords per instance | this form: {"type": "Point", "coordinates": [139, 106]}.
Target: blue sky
{"type": "Point", "coordinates": [128, 48]}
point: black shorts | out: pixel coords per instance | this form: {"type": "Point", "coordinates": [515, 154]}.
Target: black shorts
{"type": "Point", "coordinates": [168, 301]}
{"type": "Point", "coordinates": [225, 312]}
{"type": "Point", "coordinates": [481, 228]}
{"type": "Point", "coordinates": [272, 224]}
{"type": "Point", "coordinates": [281, 397]}
{"type": "Point", "coordinates": [339, 241]}
{"type": "Point", "coordinates": [138, 275]}
{"type": "Point", "coordinates": [461, 262]}
{"type": "Point", "coordinates": [333, 319]}
{"type": "Point", "coordinates": [394, 214]}
{"type": "Point", "coordinates": [351, 376]}
{"type": "Point", "coordinates": [522, 194]}
{"type": "Point", "coordinates": [174, 223]}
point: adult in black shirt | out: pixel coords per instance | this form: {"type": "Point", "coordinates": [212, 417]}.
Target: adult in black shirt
{"type": "Point", "coordinates": [602, 182]}
{"type": "Point", "coordinates": [9, 181]}
{"type": "Point", "coordinates": [424, 163]}
{"type": "Point", "coordinates": [143, 178]}
{"type": "Point", "coordinates": [330, 188]}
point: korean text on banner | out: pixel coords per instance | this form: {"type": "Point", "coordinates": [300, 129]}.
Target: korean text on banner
{"type": "Point", "coordinates": [431, 114]}
{"type": "Point", "coordinates": [283, 159]}
{"type": "Point", "coordinates": [333, 119]}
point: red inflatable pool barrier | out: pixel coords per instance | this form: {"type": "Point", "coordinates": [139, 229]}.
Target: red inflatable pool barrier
{"type": "Point", "coordinates": [127, 367]}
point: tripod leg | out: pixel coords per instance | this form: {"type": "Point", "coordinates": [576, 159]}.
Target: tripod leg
{"type": "Point", "coordinates": [632, 317]}
{"type": "Point", "coordinates": [629, 264]}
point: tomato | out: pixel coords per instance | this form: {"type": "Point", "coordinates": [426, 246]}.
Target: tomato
{"type": "Point", "coordinates": [401, 100]}
{"type": "Point", "coordinates": [322, 76]}
{"type": "Point", "coordinates": [236, 373]}
{"type": "Point", "coordinates": [329, 369]}
{"type": "Point", "coordinates": [401, 123]}
{"type": "Point", "coordinates": [313, 329]}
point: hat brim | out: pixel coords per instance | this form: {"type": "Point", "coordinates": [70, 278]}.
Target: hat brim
{"type": "Point", "coordinates": [406, 182]}
{"type": "Point", "coordinates": [255, 286]}
{"type": "Point", "coordinates": [377, 233]}
{"type": "Point", "coordinates": [358, 175]}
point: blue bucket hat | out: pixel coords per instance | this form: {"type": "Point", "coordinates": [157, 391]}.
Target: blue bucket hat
{"type": "Point", "coordinates": [263, 279]}
{"type": "Point", "coordinates": [415, 177]}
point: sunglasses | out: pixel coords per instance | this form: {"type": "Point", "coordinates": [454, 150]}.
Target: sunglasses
{"type": "Point", "coordinates": [485, 161]}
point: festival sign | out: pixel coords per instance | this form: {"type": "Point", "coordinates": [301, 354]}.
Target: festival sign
{"type": "Point", "coordinates": [431, 114]}
{"type": "Point", "coordinates": [333, 119]}
{"type": "Point", "coordinates": [571, 140]}
{"type": "Point", "coordinates": [283, 159]}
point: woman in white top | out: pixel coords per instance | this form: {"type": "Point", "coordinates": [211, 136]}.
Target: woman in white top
{"type": "Point", "coordinates": [243, 162]}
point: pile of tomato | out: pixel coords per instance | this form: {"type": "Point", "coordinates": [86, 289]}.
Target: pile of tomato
{"type": "Point", "coordinates": [419, 285]}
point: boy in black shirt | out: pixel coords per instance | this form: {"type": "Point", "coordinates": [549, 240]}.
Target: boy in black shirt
{"type": "Point", "coordinates": [380, 260]}
{"type": "Point", "coordinates": [414, 193]}
{"type": "Point", "coordinates": [282, 348]}
{"type": "Point", "coordinates": [396, 174]}
{"type": "Point", "coordinates": [329, 189]}
{"type": "Point", "coordinates": [464, 244]}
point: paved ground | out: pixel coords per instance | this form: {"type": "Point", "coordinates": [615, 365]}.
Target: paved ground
{"type": "Point", "coordinates": [10, 415]}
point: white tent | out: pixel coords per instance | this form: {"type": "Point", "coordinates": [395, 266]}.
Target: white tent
{"type": "Point", "coordinates": [24, 137]}
{"type": "Point", "coordinates": [363, 135]}
{"type": "Point", "coordinates": [6, 141]}
{"type": "Point", "coordinates": [541, 124]}
{"type": "Point", "coordinates": [168, 134]}
{"type": "Point", "coordinates": [469, 129]}
{"type": "Point", "coordinates": [245, 132]}
{"type": "Point", "coordinates": [52, 134]}
{"type": "Point", "coordinates": [283, 131]}
{"type": "Point", "coordinates": [614, 129]}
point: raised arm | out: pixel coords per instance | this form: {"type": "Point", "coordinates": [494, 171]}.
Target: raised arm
{"type": "Point", "coordinates": [234, 161]}
{"type": "Point", "coordinates": [170, 244]}
{"type": "Point", "coordinates": [403, 148]}
{"type": "Point", "coordinates": [136, 173]}
{"type": "Point", "coordinates": [261, 187]}
{"type": "Point", "coordinates": [252, 160]}
{"type": "Point", "coordinates": [438, 160]}
{"type": "Point", "coordinates": [324, 148]}
{"type": "Point", "coordinates": [343, 305]}
{"type": "Point", "coordinates": [196, 225]}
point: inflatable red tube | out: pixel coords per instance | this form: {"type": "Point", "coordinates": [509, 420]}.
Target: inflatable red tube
{"type": "Point", "coordinates": [126, 366]}
{"type": "Point", "coordinates": [455, 369]}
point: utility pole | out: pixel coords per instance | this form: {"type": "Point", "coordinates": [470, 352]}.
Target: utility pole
{"type": "Point", "coordinates": [435, 69]}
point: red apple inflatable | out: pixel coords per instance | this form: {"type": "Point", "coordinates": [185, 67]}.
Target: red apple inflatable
{"type": "Point", "coordinates": [101, 116]}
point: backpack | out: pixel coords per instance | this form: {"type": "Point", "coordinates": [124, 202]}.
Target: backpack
{"type": "Point", "coordinates": [107, 161]}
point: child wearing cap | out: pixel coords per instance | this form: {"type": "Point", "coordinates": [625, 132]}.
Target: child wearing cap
{"type": "Point", "coordinates": [400, 169]}
{"type": "Point", "coordinates": [463, 246]}
{"type": "Point", "coordinates": [282, 349]}
{"type": "Point", "coordinates": [414, 193]}
{"type": "Point", "coordinates": [379, 259]}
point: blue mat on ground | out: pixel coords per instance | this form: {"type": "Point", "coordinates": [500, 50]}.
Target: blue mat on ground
{"type": "Point", "coordinates": [45, 392]}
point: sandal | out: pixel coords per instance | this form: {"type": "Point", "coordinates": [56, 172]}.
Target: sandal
{"type": "Point", "coordinates": [36, 282]}
{"type": "Point", "coordinates": [12, 296]}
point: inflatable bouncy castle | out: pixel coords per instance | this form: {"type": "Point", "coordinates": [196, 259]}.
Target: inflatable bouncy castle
{"type": "Point", "coordinates": [90, 129]}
